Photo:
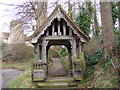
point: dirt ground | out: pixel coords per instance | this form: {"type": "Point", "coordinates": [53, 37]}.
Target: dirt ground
{"type": "Point", "coordinates": [57, 68]}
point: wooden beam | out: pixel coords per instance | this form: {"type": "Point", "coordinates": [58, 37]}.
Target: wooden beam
{"type": "Point", "coordinates": [58, 38]}
{"type": "Point", "coordinates": [47, 32]}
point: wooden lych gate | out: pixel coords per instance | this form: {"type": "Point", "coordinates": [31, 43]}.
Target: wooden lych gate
{"type": "Point", "coordinates": [57, 29]}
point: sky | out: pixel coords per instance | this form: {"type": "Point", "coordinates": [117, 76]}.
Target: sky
{"type": "Point", "coordinates": [6, 13]}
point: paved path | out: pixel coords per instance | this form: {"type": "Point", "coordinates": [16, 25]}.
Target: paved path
{"type": "Point", "coordinates": [57, 68]}
{"type": "Point", "coordinates": [8, 75]}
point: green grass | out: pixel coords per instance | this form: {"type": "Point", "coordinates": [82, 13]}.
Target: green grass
{"type": "Point", "coordinates": [18, 65]}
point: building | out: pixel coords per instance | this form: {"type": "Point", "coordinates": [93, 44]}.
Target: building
{"type": "Point", "coordinates": [58, 29]}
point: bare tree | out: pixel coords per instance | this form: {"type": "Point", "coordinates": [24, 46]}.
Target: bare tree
{"type": "Point", "coordinates": [41, 13]}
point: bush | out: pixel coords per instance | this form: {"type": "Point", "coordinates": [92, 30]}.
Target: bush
{"type": "Point", "coordinates": [118, 43]}
{"type": "Point", "coordinates": [17, 52]}
{"type": "Point", "coordinates": [94, 44]}
{"type": "Point", "coordinates": [63, 52]}
{"type": "Point", "coordinates": [52, 53]}
{"type": "Point", "coordinates": [93, 53]}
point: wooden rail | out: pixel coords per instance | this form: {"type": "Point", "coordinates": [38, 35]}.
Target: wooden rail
{"type": "Point", "coordinates": [38, 71]}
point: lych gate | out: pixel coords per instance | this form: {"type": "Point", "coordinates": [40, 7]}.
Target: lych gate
{"type": "Point", "coordinates": [57, 29]}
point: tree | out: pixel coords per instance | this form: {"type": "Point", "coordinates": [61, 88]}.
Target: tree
{"type": "Point", "coordinates": [118, 4]}
{"type": "Point", "coordinates": [96, 26]}
{"type": "Point", "coordinates": [41, 13]}
{"type": "Point", "coordinates": [108, 30]}
{"type": "Point", "coordinates": [84, 18]}
{"type": "Point", "coordinates": [114, 12]}
{"type": "Point", "coordinates": [70, 9]}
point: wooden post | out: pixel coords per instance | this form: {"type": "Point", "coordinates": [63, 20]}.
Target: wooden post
{"type": "Point", "coordinates": [74, 50]}
{"type": "Point", "coordinates": [59, 28]}
{"type": "Point", "coordinates": [44, 51]}
{"type": "Point", "coordinates": [47, 32]}
{"type": "Point", "coordinates": [37, 52]}
{"type": "Point", "coordinates": [53, 29]}
{"type": "Point", "coordinates": [73, 56]}
{"type": "Point", "coordinates": [70, 31]}
{"type": "Point", "coordinates": [79, 47]}
{"type": "Point", "coordinates": [64, 29]}
{"type": "Point", "coordinates": [70, 61]}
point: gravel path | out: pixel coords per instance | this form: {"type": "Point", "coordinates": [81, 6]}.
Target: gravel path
{"type": "Point", "coordinates": [57, 68]}
{"type": "Point", "coordinates": [8, 75]}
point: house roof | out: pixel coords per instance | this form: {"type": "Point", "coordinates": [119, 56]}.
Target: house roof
{"type": "Point", "coordinates": [51, 17]}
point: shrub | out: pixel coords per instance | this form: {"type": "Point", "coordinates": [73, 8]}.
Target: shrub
{"type": "Point", "coordinates": [93, 53]}
{"type": "Point", "coordinates": [94, 44]}
{"type": "Point", "coordinates": [17, 52]}
{"type": "Point", "coordinates": [64, 52]}
{"type": "Point", "coordinates": [118, 43]}
{"type": "Point", "coordinates": [52, 53]}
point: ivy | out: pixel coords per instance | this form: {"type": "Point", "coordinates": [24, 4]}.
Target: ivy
{"type": "Point", "coordinates": [84, 21]}
{"type": "Point", "coordinates": [114, 12]}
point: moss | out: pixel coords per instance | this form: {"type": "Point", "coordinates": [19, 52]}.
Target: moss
{"type": "Point", "coordinates": [38, 79]}
{"type": "Point", "coordinates": [78, 78]}
{"type": "Point", "coordinates": [57, 84]}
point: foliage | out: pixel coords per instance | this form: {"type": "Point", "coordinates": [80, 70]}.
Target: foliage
{"type": "Point", "coordinates": [52, 53]}
{"type": "Point", "coordinates": [63, 52]}
{"type": "Point", "coordinates": [107, 65]}
{"type": "Point", "coordinates": [92, 60]}
{"type": "Point", "coordinates": [103, 77]}
{"type": "Point", "coordinates": [84, 19]}
{"type": "Point", "coordinates": [17, 52]}
{"type": "Point", "coordinates": [23, 81]}
{"type": "Point", "coordinates": [94, 44]}
{"type": "Point", "coordinates": [114, 12]}
{"type": "Point", "coordinates": [93, 53]}
{"type": "Point", "coordinates": [106, 77]}
{"type": "Point", "coordinates": [118, 42]}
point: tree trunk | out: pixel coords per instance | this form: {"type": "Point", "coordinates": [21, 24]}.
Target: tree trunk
{"type": "Point", "coordinates": [96, 27]}
{"type": "Point", "coordinates": [108, 30]}
{"type": "Point", "coordinates": [70, 9]}
{"type": "Point", "coordinates": [41, 13]}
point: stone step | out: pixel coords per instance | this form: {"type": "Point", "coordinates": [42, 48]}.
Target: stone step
{"type": "Point", "coordinates": [65, 78]}
{"type": "Point", "coordinates": [57, 84]}
{"type": "Point", "coordinates": [65, 81]}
